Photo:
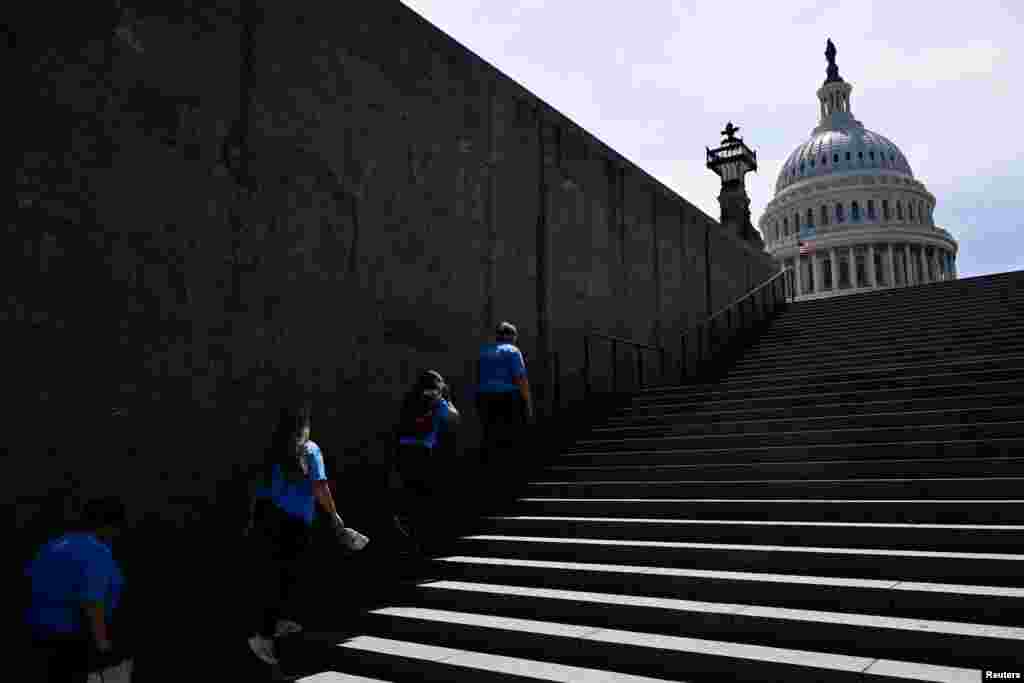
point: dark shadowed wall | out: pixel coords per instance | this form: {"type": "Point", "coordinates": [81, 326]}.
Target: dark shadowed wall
{"type": "Point", "coordinates": [218, 209]}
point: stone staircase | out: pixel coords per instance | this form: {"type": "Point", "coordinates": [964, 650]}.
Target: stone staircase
{"type": "Point", "coordinates": [845, 504]}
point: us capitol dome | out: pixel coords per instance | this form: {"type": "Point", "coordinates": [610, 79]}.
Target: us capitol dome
{"type": "Point", "coordinates": [848, 211]}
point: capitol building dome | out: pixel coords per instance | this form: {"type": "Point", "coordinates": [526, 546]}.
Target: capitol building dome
{"type": "Point", "coordinates": [848, 214]}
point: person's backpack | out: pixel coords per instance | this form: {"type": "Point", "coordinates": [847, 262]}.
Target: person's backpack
{"type": "Point", "coordinates": [418, 419]}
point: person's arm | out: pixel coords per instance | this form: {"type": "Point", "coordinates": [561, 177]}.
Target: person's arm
{"type": "Point", "coordinates": [95, 582]}
{"type": "Point", "coordinates": [524, 391]}
{"type": "Point", "coordinates": [253, 487]}
{"type": "Point", "coordinates": [96, 618]}
{"type": "Point", "coordinates": [322, 489]}
{"type": "Point", "coordinates": [519, 373]}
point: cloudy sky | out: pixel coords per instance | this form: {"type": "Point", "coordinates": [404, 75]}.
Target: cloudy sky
{"type": "Point", "coordinates": [657, 79]}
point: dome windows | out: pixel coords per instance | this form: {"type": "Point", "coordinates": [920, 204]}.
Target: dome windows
{"type": "Point", "coordinates": [910, 212]}
{"type": "Point", "coordinates": [886, 213]}
{"type": "Point", "coordinates": [810, 218]}
{"type": "Point", "coordinates": [871, 209]}
{"type": "Point", "coordinates": [785, 227]}
{"type": "Point", "coordinates": [847, 156]}
{"type": "Point", "coordinates": [872, 155]}
{"type": "Point", "coordinates": [840, 217]}
{"type": "Point", "coordinates": [855, 212]}
{"type": "Point", "coordinates": [824, 215]}
{"type": "Point", "coordinates": [899, 211]}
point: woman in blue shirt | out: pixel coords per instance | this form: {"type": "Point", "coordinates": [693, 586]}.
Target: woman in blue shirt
{"type": "Point", "coordinates": [426, 416]}
{"type": "Point", "coordinates": [76, 587]}
{"type": "Point", "coordinates": [503, 394]}
{"type": "Point", "coordinates": [281, 519]}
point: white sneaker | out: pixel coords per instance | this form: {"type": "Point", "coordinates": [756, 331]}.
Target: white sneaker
{"type": "Point", "coordinates": [286, 627]}
{"type": "Point", "coordinates": [264, 649]}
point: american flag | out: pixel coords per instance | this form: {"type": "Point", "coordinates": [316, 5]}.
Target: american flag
{"type": "Point", "coordinates": [805, 247]}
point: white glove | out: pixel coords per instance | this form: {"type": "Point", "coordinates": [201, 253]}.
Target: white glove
{"type": "Point", "coordinates": [337, 522]}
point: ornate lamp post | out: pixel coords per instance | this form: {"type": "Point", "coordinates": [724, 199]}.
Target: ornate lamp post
{"type": "Point", "coordinates": [732, 161]}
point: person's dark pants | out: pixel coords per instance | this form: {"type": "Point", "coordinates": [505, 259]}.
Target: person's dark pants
{"type": "Point", "coordinates": [503, 422]}
{"type": "Point", "coordinates": [59, 658]}
{"type": "Point", "coordinates": [416, 499]}
{"type": "Point", "coordinates": [280, 539]}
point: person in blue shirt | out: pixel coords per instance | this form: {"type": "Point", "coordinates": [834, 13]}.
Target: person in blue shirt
{"type": "Point", "coordinates": [427, 416]}
{"type": "Point", "coordinates": [281, 516]}
{"type": "Point", "coordinates": [76, 587]}
{"type": "Point", "coordinates": [503, 398]}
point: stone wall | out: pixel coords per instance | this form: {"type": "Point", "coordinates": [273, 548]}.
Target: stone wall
{"type": "Point", "coordinates": [221, 209]}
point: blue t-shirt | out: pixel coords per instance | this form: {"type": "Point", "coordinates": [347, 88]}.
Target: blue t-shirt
{"type": "Point", "coordinates": [500, 365]}
{"type": "Point", "coordinates": [438, 423]}
{"type": "Point", "coordinates": [67, 572]}
{"type": "Point", "coordinates": [296, 498]}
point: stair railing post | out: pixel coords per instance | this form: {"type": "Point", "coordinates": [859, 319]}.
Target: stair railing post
{"type": "Point", "coordinates": [558, 383]}
{"type": "Point", "coordinates": [663, 363]}
{"type": "Point", "coordinates": [586, 367]}
{"type": "Point", "coordinates": [639, 367]}
{"type": "Point", "coordinates": [682, 358]}
{"type": "Point", "coordinates": [615, 366]}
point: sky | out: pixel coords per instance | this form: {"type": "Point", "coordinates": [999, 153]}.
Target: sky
{"type": "Point", "coordinates": [657, 80]}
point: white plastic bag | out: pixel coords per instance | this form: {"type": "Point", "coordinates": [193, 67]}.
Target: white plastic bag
{"type": "Point", "coordinates": [118, 673]}
{"type": "Point", "coordinates": [352, 539]}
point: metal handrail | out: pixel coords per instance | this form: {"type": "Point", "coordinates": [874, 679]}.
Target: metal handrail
{"type": "Point", "coordinates": [615, 359]}
{"type": "Point", "coordinates": [751, 293]}
{"type": "Point", "coordinates": [711, 321]}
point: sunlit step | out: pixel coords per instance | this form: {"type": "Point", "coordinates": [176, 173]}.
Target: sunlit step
{"type": "Point", "coordinates": [676, 654]}
{"type": "Point", "coordinates": [938, 641]}
{"type": "Point", "coordinates": [892, 535]}
{"type": "Point", "coordinates": [958, 590]}
{"type": "Point", "coordinates": [954, 567]}
{"type": "Point", "coordinates": [337, 677]}
{"type": "Point", "coordinates": [487, 663]}
{"type": "Point", "coordinates": [923, 554]}
{"type": "Point", "coordinates": [758, 523]}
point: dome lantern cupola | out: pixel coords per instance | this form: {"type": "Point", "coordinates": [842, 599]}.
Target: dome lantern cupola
{"type": "Point", "coordinates": [834, 96]}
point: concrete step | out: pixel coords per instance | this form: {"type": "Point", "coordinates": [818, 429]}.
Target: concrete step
{"type": "Point", "coordinates": [921, 448]}
{"type": "Point", "coordinates": [697, 426]}
{"type": "Point", "coordinates": [834, 372]}
{"type": "Point", "coordinates": [944, 642]}
{"type": "Point", "coordinates": [925, 294]}
{"type": "Point", "coordinates": [732, 419]}
{"type": "Point", "coordinates": [1008, 511]}
{"type": "Point", "coordinates": [639, 653]}
{"type": "Point", "coordinates": [873, 487]}
{"type": "Point", "coordinates": [906, 597]}
{"type": "Point", "coordinates": [1000, 569]}
{"type": "Point", "coordinates": [864, 468]}
{"type": "Point", "coordinates": [1000, 429]}
{"type": "Point", "coordinates": [994, 538]}
{"type": "Point", "coordinates": [390, 658]}
{"type": "Point", "coordinates": [953, 387]}
{"type": "Point", "coordinates": [932, 294]}
{"type": "Point", "coordinates": [780, 359]}
{"type": "Point", "coordinates": [902, 322]}
{"type": "Point", "coordinates": [902, 328]}
{"type": "Point", "coordinates": [787, 356]}
{"type": "Point", "coordinates": [824, 378]}
{"type": "Point", "coordinates": [984, 372]}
